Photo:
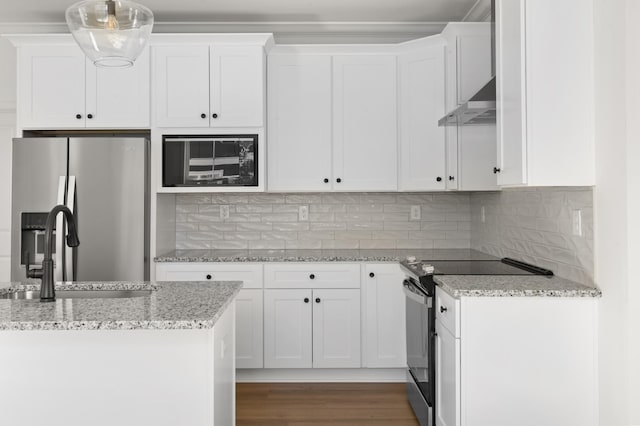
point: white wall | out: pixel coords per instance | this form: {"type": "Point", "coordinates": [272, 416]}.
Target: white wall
{"type": "Point", "coordinates": [617, 207]}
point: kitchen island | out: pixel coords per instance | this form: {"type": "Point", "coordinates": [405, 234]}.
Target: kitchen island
{"type": "Point", "coordinates": [164, 358]}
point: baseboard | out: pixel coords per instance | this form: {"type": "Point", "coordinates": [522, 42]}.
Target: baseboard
{"type": "Point", "coordinates": [321, 375]}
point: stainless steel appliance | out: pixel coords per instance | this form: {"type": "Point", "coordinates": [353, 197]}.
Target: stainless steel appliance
{"type": "Point", "coordinates": [104, 181]}
{"type": "Point", "coordinates": [419, 287]}
{"type": "Point", "coordinates": [210, 160]}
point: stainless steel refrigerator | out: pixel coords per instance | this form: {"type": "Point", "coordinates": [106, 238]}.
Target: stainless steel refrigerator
{"type": "Point", "coordinates": [105, 182]}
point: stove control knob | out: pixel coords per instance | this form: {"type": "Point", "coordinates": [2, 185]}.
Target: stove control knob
{"type": "Point", "coordinates": [428, 269]}
{"type": "Point", "coordinates": [411, 259]}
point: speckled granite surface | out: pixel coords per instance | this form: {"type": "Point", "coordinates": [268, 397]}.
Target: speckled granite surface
{"type": "Point", "coordinates": [172, 305]}
{"type": "Point", "coordinates": [512, 286]}
{"type": "Point", "coordinates": [378, 255]}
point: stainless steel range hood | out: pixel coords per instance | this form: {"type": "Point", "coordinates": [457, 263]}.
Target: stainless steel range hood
{"type": "Point", "coordinates": [481, 107]}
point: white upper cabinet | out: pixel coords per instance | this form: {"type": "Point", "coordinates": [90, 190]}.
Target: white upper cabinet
{"type": "Point", "coordinates": [545, 93]}
{"type": "Point", "coordinates": [58, 88]}
{"type": "Point", "coordinates": [299, 130]}
{"type": "Point", "coordinates": [421, 105]}
{"type": "Point", "coordinates": [118, 97]}
{"type": "Point", "coordinates": [332, 119]}
{"type": "Point", "coordinates": [237, 86]}
{"type": "Point", "coordinates": [364, 123]}
{"type": "Point", "coordinates": [470, 149]}
{"type": "Point", "coordinates": [209, 86]}
{"type": "Point", "coordinates": [181, 86]}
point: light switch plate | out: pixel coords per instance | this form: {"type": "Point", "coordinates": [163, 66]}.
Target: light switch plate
{"type": "Point", "coordinates": [576, 220]}
{"type": "Point", "coordinates": [303, 213]}
{"type": "Point", "coordinates": [416, 213]}
{"type": "Point", "coordinates": [224, 212]}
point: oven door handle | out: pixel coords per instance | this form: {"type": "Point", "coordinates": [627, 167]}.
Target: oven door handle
{"type": "Point", "coordinates": [416, 295]}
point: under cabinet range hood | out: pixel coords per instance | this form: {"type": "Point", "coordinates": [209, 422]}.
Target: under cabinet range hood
{"type": "Point", "coordinates": [481, 107]}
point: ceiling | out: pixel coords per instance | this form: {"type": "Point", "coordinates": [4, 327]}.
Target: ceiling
{"type": "Point", "coordinates": [399, 11]}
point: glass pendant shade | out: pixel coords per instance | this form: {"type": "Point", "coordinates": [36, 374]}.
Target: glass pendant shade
{"type": "Point", "coordinates": [111, 33]}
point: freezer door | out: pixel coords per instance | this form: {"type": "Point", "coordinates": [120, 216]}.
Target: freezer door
{"type": "Point", "coordinates": [38, 164]}
{"type": "Point", "coordinates": [111, 207]}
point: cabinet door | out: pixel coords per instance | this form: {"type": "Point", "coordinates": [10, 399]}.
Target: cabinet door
{"type": "Point", "coordinates": [336, 328]}
{"type": "Point", "coordinates": [384, 325]}
{"type": "Point", "coordinates": [476, 158]}
{"type": "Point", "coordinates": [51, 87]}
{"type": "Point", "coordinates": [510, 119]}
{"type": "Point", "coordinates": [299, 115]}
{"type": "Point", "coordinates": [287, 328]}
{"type": "Point", "coordinates": [447, 377]}
{"type": "Point", "coordinates": [237, 86]}
{"type": "Point", "coordinates": [365, 148]}
{"type": "Point", "coordinates": [249, 329]}
{"type": "Point", "coordinates": [181, 86]}
{"type": "Point", "coordinates": [118, 97]}
{"type": "Point", "coordinates": [422, 104]}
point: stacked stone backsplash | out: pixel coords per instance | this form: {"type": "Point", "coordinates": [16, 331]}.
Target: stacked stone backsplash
{"type": "Point", "coordinates": [335, 221]}
{"type": "Point", "coordinates": [535, 225]}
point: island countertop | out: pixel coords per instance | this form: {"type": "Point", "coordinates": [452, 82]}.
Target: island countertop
{"type": "Point", "coordinates": [171, 305]}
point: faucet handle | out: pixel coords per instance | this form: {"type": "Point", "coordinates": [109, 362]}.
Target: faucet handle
{"type": "Point", "coordinates": [31, 273]}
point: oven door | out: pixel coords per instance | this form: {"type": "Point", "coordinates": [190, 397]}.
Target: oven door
{"type": "Point", "coordinates": [420, 351]}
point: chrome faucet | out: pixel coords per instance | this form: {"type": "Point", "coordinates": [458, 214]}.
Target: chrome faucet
{"type": "Point", "coordinates": [47, 288]}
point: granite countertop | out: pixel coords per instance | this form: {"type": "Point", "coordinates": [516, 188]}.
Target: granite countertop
{"type": "Point", "coordinates": [171, 305]}
{"type": "Point", "coordinates": [378, 255]}
{"type": "Point", "coordinates": [512, 286]}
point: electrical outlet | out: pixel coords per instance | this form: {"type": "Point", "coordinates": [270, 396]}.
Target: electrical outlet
{"type": "Point", "coordinates": [303, 213]}
{"type": "Point", "coordinates": [224, 212]}
{"type": "Point", "coordinates": [483, 218]}
{"type": "Point", "coordinates": [576, 221]}
{"type": "Point", "coordinates": [416, 213]}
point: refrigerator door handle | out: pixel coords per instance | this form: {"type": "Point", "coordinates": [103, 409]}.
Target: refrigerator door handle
{"type": "Point", "coordinates": [58, 259]}
{"type": "Point", "coordinates": [69, 270]}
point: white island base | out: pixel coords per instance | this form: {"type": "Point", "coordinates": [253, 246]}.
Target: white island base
{"type": "Point", "coordinates": [119, 377]}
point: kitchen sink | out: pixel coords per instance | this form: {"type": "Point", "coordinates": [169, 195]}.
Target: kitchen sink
{"type": "Point", "coordinates": [78, 294]}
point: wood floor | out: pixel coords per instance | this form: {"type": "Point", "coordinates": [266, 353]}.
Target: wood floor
{"type": "Point", "coordinates": [302, 404]}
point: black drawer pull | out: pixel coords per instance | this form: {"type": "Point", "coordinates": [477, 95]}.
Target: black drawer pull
{"type": "Point", "coordinates": [306, 300]}
{"type": "Point", "coordinates": [317, 300]}
{"type": "Point", "coordinates": [371, 274]}
{"type": "Point", "coordinates": [312, 276]}
{"type": "Point", "coordinates": [208, 276]}
{"type": "Point", "coordinates": [203, 115]}
{"type": "Point", "coordinates": [78, 116]}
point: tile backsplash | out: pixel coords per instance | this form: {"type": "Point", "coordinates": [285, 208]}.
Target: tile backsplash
{"type": "Point", "coordinates": [335, 220]}
{"type": "Point", "coordinates": [536, 225]}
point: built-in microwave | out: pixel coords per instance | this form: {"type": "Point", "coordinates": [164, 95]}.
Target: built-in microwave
{"type": "Point", "coordinates": [210, 160]}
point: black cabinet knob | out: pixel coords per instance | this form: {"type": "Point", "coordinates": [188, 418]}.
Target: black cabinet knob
{"type": "Point", "coordinates": [452, 178]}
{"type": "Point", "coordinates": [214, 115]}
{"type": "Point", "coordinates": [208, 276]}
{"type": "Point", "coordinates": [317, 300]}
{"type": "Point", "coordinates": [312, 276]}
{"type": "Point", "coordinates": [203, 115]}
{"type": "Point", "coordinates": [496, 170]}
{"type": "Point", "coordinates": [326, 180]}
{"type": "Point", "coordinates": [443, 309]}
{"type": "Point", "coordinates": [306, 300]}
{"type": "Point", "coordinates": [338, 180]}
{"type": "Point", "coordinates": [89, 116]}
{"type": "Point", "coordinates": [439, 179]}
{"type": "Point", "coordinates": [78, 116]}
{"type": "Point", "coordinates": [371, 274]}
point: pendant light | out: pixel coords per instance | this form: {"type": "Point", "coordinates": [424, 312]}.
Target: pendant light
{"type": "Point", "coordinates": [111, 33]}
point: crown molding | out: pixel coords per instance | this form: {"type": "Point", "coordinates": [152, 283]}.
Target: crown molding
{"type": "Point", "coordinates": [284, 32]}
{"type": "Point", "coordinates": [479, 12]}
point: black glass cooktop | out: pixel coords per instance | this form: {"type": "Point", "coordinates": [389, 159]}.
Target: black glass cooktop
{"type": "Point", "coordinates": [484, 267]}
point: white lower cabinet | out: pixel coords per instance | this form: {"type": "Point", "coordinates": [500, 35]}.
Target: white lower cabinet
{"type": "Point", "coordinates": [249, 304]}
{"type": "Point", "coordinates": [447, 377]}
{"type": "Point", "coordinates": [312, 328]}
{"type": "Point", "coordinates": [525, 361]}
{"type": "Point", "coordinates": [384, 324]}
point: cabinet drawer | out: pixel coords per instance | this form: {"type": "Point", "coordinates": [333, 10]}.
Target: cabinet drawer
{"type": "Point", "coordinates": [312, 275]}
{"type": "Point", "coordinates": [448, 311]}
{"type": "Point", "coordinates": [249, 274]}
